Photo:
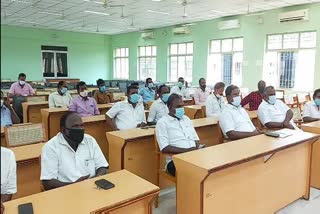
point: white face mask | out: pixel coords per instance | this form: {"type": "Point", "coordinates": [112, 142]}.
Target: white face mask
{"type": "Point", "coordinates": [84, 93]}
{"type": "Point", "coordinates": [21, 82]}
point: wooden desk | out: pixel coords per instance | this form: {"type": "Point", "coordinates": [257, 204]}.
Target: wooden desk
{"type": "Point", "coordinates": [259, 174]}
{"type": "Point", "coordinates": [32, 111]}
{"type": "Point", "coordinates": [194, 111]}
{"type": "Point", "coordinates": [28, 169]}
{"type": "Point", "coordinates": [3, 138]}
{"type": "Point", "coordinates": [314, 127]}
{"type": "Point", "coordinates": [131, 195]}
{"type": "Point", "coordinates": [103, 108]}
{"type": "Point", "coordinates": [188, 102]}
{"type": "Point", "coordinates": [37, 98]}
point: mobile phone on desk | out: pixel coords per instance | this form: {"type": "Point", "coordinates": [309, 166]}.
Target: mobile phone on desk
{"type": "Point", "coordinates": [25, 208]}
{"type": "Point", "coordinates": [104, 184]}
{"type": "Point", "coordinates": [272, 134]}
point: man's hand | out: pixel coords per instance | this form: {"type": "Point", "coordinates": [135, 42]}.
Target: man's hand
{"type": "Point", "coordinates": [83, 178]}
{"type": "Point", "coordinates": [141, 125]}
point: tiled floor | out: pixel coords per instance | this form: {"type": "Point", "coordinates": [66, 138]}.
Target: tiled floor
{"type": "Point", "coordinates": [167, 204]}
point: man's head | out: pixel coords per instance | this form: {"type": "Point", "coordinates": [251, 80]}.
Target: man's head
{"type": "Point", "coordinates": [22, 78]}
{"type": "Point", "coordinates": [202, 83]}
{"type": "Point", "coordinates": [82, 89]}
{"type": "Point", "coordinates": [62, 87]}
{"type": "Point", "coordinates": [135, 84]}
{"type": "Point", "coordinates": [180, 82]}
{"type": "Point", "coordinates": [149, 82]}
{"type": "Point", "coordinates": [261, 86]}
{"type": "Point", "coordinates": [164, 93]}
{"type": "Point", "coordinates": [71, 126]}
{"type": "Point", "coordinates": [316, 94]}
{"type": "Point", "coordinates": [175, 105]}
{"type": "Point", "coordinates": [219, 88]}
{"type": "Point", "coordinates": [101, 85]}
{"type": "Point", "coordinates": [2, 99]}
{"type": "Point", "coordinates": [269, 95]}
{"type": "Point", "coordinates": [132, 94]}
{"type": "Point", "coordinates": [233, 95]}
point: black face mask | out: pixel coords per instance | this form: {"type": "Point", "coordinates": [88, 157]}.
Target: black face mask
{"type": "Point", "coordinates": [76, 135]}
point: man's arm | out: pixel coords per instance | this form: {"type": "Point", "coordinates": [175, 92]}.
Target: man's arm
{"type": "Point", "coordinates": [110, 122]}
{"type": "Point", "coordinates": [235, 135]}
{"type": "Point", "coordinates": [175, 150]}
{"type": "Point", "coordinates": [14, 117]}
{"type": "Point", "coordinates": [54, 183]}
{"type": "Point", "coordinates": [310, 119]}
{"type": "Point", "coordinates": [246, 100]}
{"type": "Point", "coordinates": [101, 171]}
{"type": "Point", "coordinates": [6, 197]}
{"type": "Point", "coordinates": [289, 116]}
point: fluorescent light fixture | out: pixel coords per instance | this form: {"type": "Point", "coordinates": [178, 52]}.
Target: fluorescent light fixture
{"type": "Point", "coordinates": [63, 20]}
{"type": "Point", "coordinates": [27, 22]}
{"type": "Point", "coordinates": [96, 2]}
{"type": "Point", "coordinates": [159, 12]}
{"type": "Point", "coordinates": [97, 13]}
{"type": "Point", "coordinates": [157, 0]}
{"type": "Point", "coordinates": [132, 28]}
{"type": "Point", "coordinates": [49, 13]}
{"type": "Point", "coordinates": [21, 1]}
{"type": "Point", "coordinates": [216, 11]}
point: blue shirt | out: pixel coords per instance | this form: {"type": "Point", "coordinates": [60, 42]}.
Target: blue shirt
{"type": "Point", "coordinates": [5, 116]}
{"type": "Point", "coordinates": [147, 94]}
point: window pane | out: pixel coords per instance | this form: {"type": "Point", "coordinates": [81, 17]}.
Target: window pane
{"type": "Point", "coordinates": [148, 51]}
{"type": "Point", "coordinates": [227, 45]}
{"type": "Point", "coordinates": [173, 49]}
{"type": "Point", "coordinates": [290, 40]}
{"type": "Point", "coordinates": [118, 52]}
{"type": "Point", "coordinates": [287, 69]}
{"type": "Point", "coordinates": [238, 44]}
{"type": "Point", "coordinates": [62, 68]}
{"type": "Point", "coordinates": [48, 64]}
{"type": "Point", "coordinates": [308, 40]}
{"type": "Point", "coordinates": [123, 52]}
{"type": "Point", "coordinates": [182, 48]}
{"type": "Point", "coordinates": [173, 69]}
{"type": "Point", "coordinates": [215, 46]}
{"type": "Point", "coordinates": [227, 69]}
{"type": "Point", "coordinates": [190, 48]}
{"type": "Point", "coordinates": [274, 42]}
{"type": "Point", "coordinates": [154, 51]}
{"type": "Point", "coordinates": [142, 51]}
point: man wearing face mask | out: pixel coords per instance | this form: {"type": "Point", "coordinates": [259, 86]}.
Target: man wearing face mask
{"type": "Point", "coordinates": [311, 110]}
{"type": "Point", "coordinates": [159, 108]}
{"type": "Point", "coordinates": [180, 89]}
{"type": "Point", "coordinates": [215, 102]}
{"type": "Point", "coordinates": [202, 93]}
{"type": "Point", "coordinates": [84, 105]}
{"type": "Point", "coordinates": [254, 98]}
{"type": "Point", "coordinates": [101, 96]}
{"type": "Point", "coordinates": [128, 114]}
{"type": "Point", "coordinates": [21, 87]}
{"type": "Point", "coordinates": [175, 132]}
{"type": "Point", "coordinates": [273, 113]}
{"type": "Point", "coordinates": [148, 93]}
{"type": "Point", "coordinates": [60, 98]}
{"type": "Point", "coordinates": [234, 120]}
{"type": "Point", "coordinates": [71, 156]}
{"type": "Point", "coordinates": [8, 115]}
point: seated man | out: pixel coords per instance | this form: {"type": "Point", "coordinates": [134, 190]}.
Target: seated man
{"type": "Point", "coordinates": [215, 102]}
{"type": "Point", "coordinates": [234, 120]}
{"type": "Point", "coordinates": [254, 98]}
{"type": "Point", "coordinates": [148, 93]}
{"type": "Point", "coordinates": [273, 113]}
{"type": "Point", "coordinates": [21, 87]}
{"type": "Point", "coordinates": [180, 89]}
{"type": "Point", "coordinates": [71, 156]}
{"type": "Point", "coordinates": [202, 93]}
{"type": "Point", "coordinates": [159, 108]}
{"type": "Point", "coordinates": [60, 98]}
{"type": "Point", "coordinates": [128, 114]}
{"type": "Point", "coordinates": [8, 174]}
{"type": "Point", "coordinates": [175, 132]}
{"type": "Point", "coordinates": [84, 105]}
{"type": "Point", "coordinates": [8, 115]}
{"type": "Point", "coordinates": [311, 110]}
{"type": "Point", "coordinates": [101, 96]}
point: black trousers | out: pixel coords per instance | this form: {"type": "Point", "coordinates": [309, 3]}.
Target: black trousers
{"type": "Point", "coordinates": [171, 169]}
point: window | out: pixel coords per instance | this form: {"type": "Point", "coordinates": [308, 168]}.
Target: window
{"type": "Point", "coordinates": [147, 62]}
{"type": "Point", "coordinates": [54, 61]}
{"type": "Point", "coordinates": [180, 61]}
{"type": "Point", "coordinates": [289, 61]}
{"type": "Point", "coordinates": [121, 63]}
{"type": "Point", "coordinates": [225, 61]}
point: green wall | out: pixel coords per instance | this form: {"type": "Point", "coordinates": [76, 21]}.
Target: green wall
{"type": "Point", "coordinates": [88, 54]}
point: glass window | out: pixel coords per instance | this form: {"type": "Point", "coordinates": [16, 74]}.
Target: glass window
{"type": "Point", "coordinates": [290, 41]}
{"type": "Point", "coordinates": [147, 64]}
{"type": "Point", "coordinates": [274, 42]}
{"type": "Point", "coordinates": [226, 45]}
{"type": "Point", "coordinates": [308, 40]}
{"type": "Point", "coordinates": [121, 63]}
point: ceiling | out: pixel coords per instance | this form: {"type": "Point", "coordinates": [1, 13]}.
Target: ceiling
{"type": "Point", "coordinates": [120, 16]}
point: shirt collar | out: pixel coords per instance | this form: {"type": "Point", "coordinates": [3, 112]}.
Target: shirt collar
{"type": "Point", "coordinates": [233, 107]}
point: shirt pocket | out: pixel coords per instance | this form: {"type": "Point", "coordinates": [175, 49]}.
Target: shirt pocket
{"type": "Point", "coordinates": [90, 167]}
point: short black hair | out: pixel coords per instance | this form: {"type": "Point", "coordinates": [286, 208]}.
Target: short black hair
{"type": "Point", "coordinates": [219, 85]}
{"type": "Point", "coordinates": [201, 79]}
{"type": "Point", "coordinates": [81, 83]}
{"type": "Point", "coordinates": [135, 84]}
{"type": "Point", "coordinates": [22, 75]}
{"type": "Point", "coordinates": [100, 82]}
{"type": "Point", "coordinates": [163, 86]}
{"type": "Point", "coordinates": [149, 78]}
{"type": "Point", "coordinates": [180, 78]}
{"type": "Point", "coordinates": [64, 118]}
{"type": "Point", "coordinates": [230, 88]}
{"type": "Point", "coordinates": [131, 87]}
{"type": "Point", "coordinates": [315, 93]}
{"type": "Point", "coordinates": [172, 98]}
{"type": "Point", "coordinates": [267, 88]}
{"type": "Point", "coordinates": [60, 83]}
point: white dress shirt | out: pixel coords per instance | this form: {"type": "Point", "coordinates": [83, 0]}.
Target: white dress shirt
{"type": "Point", "coordinates": [214, 105]}
{"type": "Point", "coordinates": [59, 161]}
{"type": "Point", "coordinates": [272, 113]}
{"type": "Point", "coordinates": [57, 100]}
{"type": "Point", "coordinates": [158, 109]}
{"type": "Point", "coordinates": [200, 97]}
{"type": "Point", "coordinates": [184, 92]}
{"type": "Point", "coordinates": [310, 109]}
{"type": "Point", "coordinates": [8, 172]}
{"type": "Point", "coordinates": [235, 119]}
{"type": "Point", "coordinates": [126, 116]}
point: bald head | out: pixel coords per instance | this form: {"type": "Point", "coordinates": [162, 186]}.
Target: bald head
{"type": "Point", "coordinates": [261, 86]}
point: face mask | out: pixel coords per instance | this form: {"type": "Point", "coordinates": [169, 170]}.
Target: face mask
{"type": "Point", "coordinates": [150, 85]}
{"type": "Point", "coordinates": [272, 99]}
{"type": "Point", "coordinates": [84, 93]}
{"type": "Point", "coordinates": [236, 101]}
{"type": "Point", "coordinates": [21, 82]}
{"type": "Point", "coordinates": [76, 135]}
{"type": "Point", "coordinates": [102, 89]}
{"type": "Point", "coordinates": [179, 112]}
{"type": "Point", "coordinates": [316, 101]}
{"type": "Point", "coordinates": [134, 98]}
{"type": "Point", "coordinates": [165, 97]}
{"type": "Point", "coordinates": [180, 84]}
{"type": "Point", "coordinates": [1, 103]}
{"type": "Point", "coordinates": [63, 90]}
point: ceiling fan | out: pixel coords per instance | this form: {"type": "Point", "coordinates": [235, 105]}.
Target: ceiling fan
{"type": "Point", "coordinates": [122, 13]}
{"type": "Point", "coordinates": [253, 13]}
{"type": "Point", "coordinates": [105, 3]}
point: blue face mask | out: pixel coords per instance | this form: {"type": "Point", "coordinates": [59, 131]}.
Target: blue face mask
{"type": "Point", "coordinates": [180, 84]}
{"type": "Point", "coordinates": [63, 90]}
{"type": "Point", "coordinates": [134, 98]}
{"type": "Point", "coordinates": [150, 85]}
{"type": "Point", "coordinates": [102, 89]}
{"type": "Point", "coordinates": [236, 101]}
{"type": "Point", "coordinates": [272, 99]}
{"type": "Point", "coordinates": [179, 112]}
{"type": "Point", "coordinates": [165, 97]}
{"type": "Point", "coordinates": [317, 102]}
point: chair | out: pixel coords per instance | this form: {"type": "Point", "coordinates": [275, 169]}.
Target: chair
{"type": "Point", "coordinates": [308, 98]}
{"type": "Point", "coordinates": [148, 104]}
{"type": "Point", "coordinates": [24, 134]}
{"type": "Point", "coordinates": [280, 95]}
{"type": "Point", "coordinates": [297, 117]}
{"type": "Point", "coordinates": [161, 171]}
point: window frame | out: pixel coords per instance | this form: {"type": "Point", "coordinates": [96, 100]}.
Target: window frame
{"type": "Point", "coordinates": [55, 65]}
{"type": "Point", "coordinates": [115, 57]}
{"type": "Point", "coordinates": [147, 57]}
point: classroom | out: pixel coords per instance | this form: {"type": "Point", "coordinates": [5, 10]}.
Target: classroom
{"type": "Point", "coordinates": [160, 106]}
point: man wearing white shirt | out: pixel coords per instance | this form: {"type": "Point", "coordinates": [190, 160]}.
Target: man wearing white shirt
{"type": "Point", "coordinates": [159, 108]}
{"type": "Point", "coordinates": [273, 113]}
{"type": "Point", "coordinates": [234, 120]}
{"type": "Point", "coordinates": [60, 98]}
{"type": "Point", "coordinates": [215, 101]}
{"type": "Point", "coordinates": [202, 93]}
{"type": "Point", "coordinates": [180, 89]}
{"type": "Point", "coordinates": [175, 132]}
{"type": "Point", "coordinates": [311, 110]}
{"type": "Point", "coordinates": [71, 156]}
{"type": "Point", "coordinates": [127, 114]}
{"type": "Point", "coordinates": [8, 174]}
